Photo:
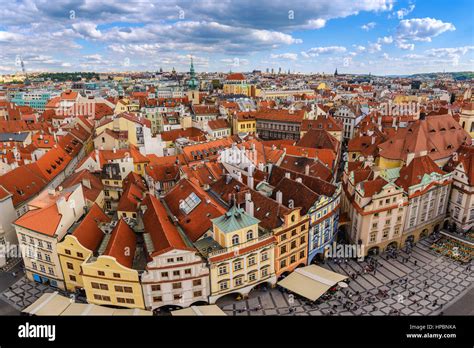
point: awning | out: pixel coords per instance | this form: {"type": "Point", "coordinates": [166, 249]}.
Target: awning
{"type": "Point", "coordinates": [311, 281]}
{"type": "Point", "coordinates": [55, 304]}
{"type": "Point", "coordinates": [48, 304]}
{"type": "Point", "coordinates": [132, 312]}
{"type": "Point", "coordinates": [199, 310]}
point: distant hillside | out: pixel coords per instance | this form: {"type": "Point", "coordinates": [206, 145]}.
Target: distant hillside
{"type": "Point", "coordinates": [460, 75]}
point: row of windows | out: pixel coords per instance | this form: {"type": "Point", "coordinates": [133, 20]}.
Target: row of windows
{"type": "Point", "coordinates": [238, 264]}
{"type": "Point", "coordinates": [282, 127]}
{"type": "Point", "coordinates": [177, 297]}
{"type": "Point", "coordinates": [176, 273]}
{"type": "Point", "coordinates": [177, 285]}
{"type": "Point", "coordinates": [293, 245]}
{"type": "Point", "coordinates": [293, 233]}
{"type": "Point", "coordinates": [117, 288]}
{"type": "Point", "coordinates": [119, 299]}
{"type": "Point", "coordinates": [236, 238]}
{"type": "Point", "coordinates": [42, 268]}
{"type": "Point", "coordinates": [78, 254]}
{"type": "Point", "coordinates": [238, 281]}
{"type": "Point", "coordinates": [38, 242]}
{"type": "Point", "coordinates": [293, 259]}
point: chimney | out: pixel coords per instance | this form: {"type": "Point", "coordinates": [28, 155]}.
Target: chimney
{"type": "Point", "coordinates": [249, 205]}
{"type": "Point", "coordinates": [299, 180]}
{"type": "Point", "coordinates": [372, 140]}
{"type": "Point", "coordinates": [306, 170]}
{"type": "Point", "coordinates": [250, 182]}
{"type": "Point", "coordinates": [287, 175]}
{"type": "Point", "coordinates": [86, 183]}
{"type": "Point", "coordinates": [97, 157]}
{"type": "Point", "coordinates": [410, 157]}
{"type": "Point", "coordinates": [115, 150]}
{"type": "Point", "coordinates": [279, 197]}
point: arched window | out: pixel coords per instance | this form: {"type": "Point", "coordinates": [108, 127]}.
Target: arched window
{"type": "Point", "coordinates": [249, 235]}
{"type": "Point", "coordinates": [235, 239]}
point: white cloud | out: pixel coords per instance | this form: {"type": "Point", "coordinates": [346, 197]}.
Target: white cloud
{"type": "Point", "coordinates": [87, 30]}
{"type": "Point", "coordinates": [368, 26]}
{"type": "Point", "coordinates": [422, 29]}
{"type": "Point", "coordinates": [405, 46]}
{"type": "Point", "coordinates": [289, 56]}
{"type": "Point", "coordinates": [360, 48]}
{"type": "Point", "coordinates": [385, 40]}
{"type": "Point", "coordinates": [403, 12]}
{"type": "Point", "coordinates": [6, 36]}
{"type": "Point", "coordinates": [316, 51]}
{"type": "Point", "coordinates": [374, 47]}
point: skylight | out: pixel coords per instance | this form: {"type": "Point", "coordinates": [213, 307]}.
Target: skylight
{"type": "Point", "coordinates": [189, 203]}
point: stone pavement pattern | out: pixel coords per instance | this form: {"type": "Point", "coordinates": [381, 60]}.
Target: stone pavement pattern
{"type": "Point", "coordinates": [445, 280]}
{"type": "Point", "coordinates": [23, 293]}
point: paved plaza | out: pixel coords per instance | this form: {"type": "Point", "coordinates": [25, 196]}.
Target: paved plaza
{"type": "Point", "coordinates": [23, 293]}
{"type": "Point", "coordinates": [426, 284]}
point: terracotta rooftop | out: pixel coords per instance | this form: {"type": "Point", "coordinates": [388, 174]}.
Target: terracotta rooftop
{"type": "Point", "coordinates": [164, 234]}
{"type": "Point", "coordinates": [88, 232]}
{"type": "Point", "coordinates": [122, 244]}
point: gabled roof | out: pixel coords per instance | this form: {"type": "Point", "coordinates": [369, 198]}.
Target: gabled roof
{"type": "Point", "coordinates": [319, 139]}
{"type": "Point", "coordinates": [235, 76]}
{"type": "Point", "coordinates": [84, 176]}
{"type": "Point", "coordinates": [198, 221]}
{"type": "Point", "coordinates": [122, 244]}
{"type": "Point", "coordinates": [88, 232]}
{"type": "Point", "coordinates": [317, 185]}
{"type": "Point", "coordinates": [44, 220]}
{"type": "Point", "coordinates": [372, 187]}
{"type": "Point", "coordinates": [465, 156]}
{"type": "Point", "coordinates": [164, 234]}
{"type": "Point", "coordinates": [301, 195]}
{"type": "Point", "coordinates": [270, 213]}
{"type": "Point", "coordinates": [439, 135]}
{"type": "Point", "coordinates": [413, 173]}
{"type": "Point", "coordinates": [23, 183]}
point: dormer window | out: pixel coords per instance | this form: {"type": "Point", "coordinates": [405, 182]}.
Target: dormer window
{"type": "Point", "coordinates": [235, 239]}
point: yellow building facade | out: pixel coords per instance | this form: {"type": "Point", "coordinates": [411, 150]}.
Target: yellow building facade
{"type": "Point", "coordinates": [106, 282]}
{"type": "Point", "coordinates": [244, 258]}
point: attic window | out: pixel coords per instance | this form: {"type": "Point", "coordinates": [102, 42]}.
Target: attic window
{"type": "Point", "coordinates": [442, 129]}
{"type": "Point", "coordinates": [433, 150]}
{"type": "Point", "coordinates": [450, 146]}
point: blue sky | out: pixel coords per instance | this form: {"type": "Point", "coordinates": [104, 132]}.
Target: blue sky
{"type": "Point", "coordinates": [376, 36]}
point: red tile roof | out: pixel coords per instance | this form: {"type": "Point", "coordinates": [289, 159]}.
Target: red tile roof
{"type": "Point", "coordinates": [465, 156]}
{"type": "Point", "coordinates": [280, 115]}
{"type": "Point", "coordinates": [164, 234]}
{"type": "Point", "coordinates": [198, 221]}
{"type": "Point", "coordinates": [218, 124]}
{"type": "Point", "coordinates": [235, 76]}
{"type": "Point", "coordinates": [319, 139]}
{"type": "Point", "coordinates": [88, 232]}
{"type": "Point", "coordinates": [413, 173]}
{"type": "Point", "coordinates": [122, 244]}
